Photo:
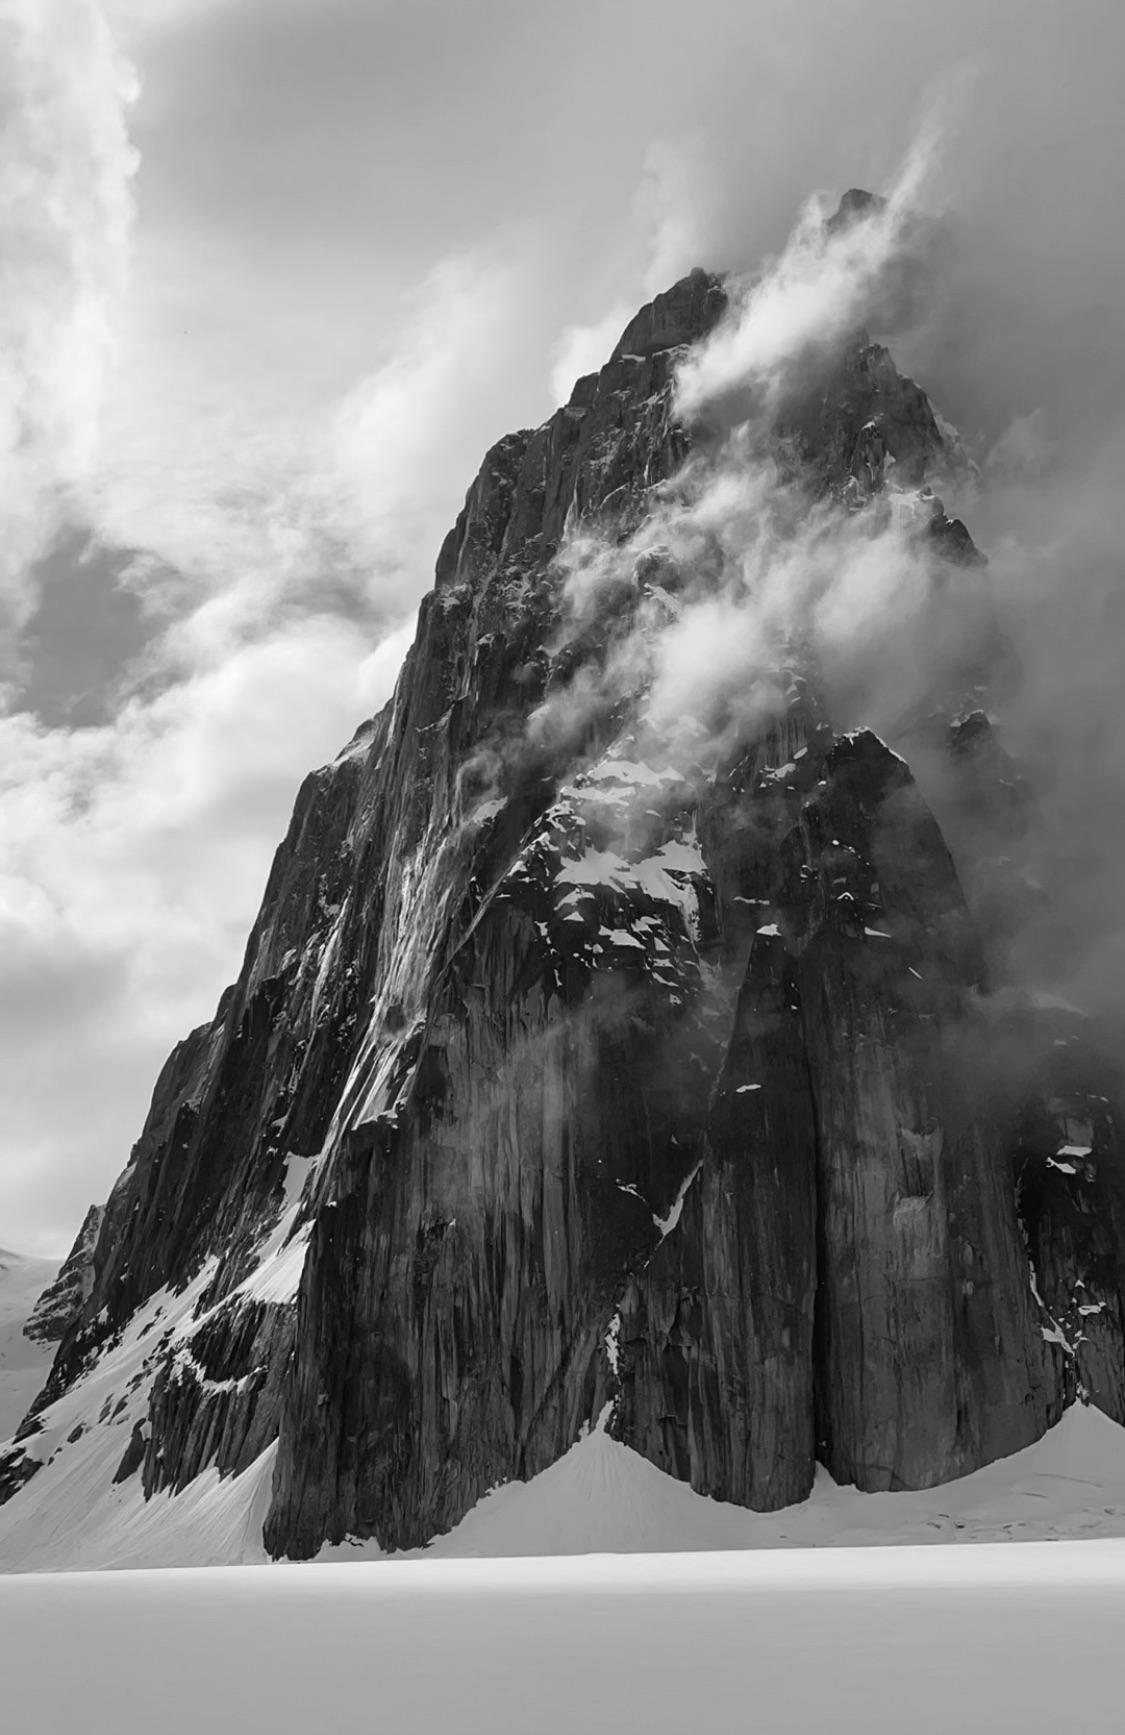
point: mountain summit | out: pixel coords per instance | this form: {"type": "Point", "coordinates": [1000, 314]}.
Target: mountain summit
{"type": "Point", "coordinates": [616, 1046]}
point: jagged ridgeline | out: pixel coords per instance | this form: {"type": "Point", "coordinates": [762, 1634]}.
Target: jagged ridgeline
{"type": "Point", "coordinates": [578, 1077]}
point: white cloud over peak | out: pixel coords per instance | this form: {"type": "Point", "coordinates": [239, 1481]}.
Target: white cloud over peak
{"type": "Point", "coordinates": [821, 284]}
{"type": "Point", "coordinates": [66, 211]}
{"type": "Point", "coordinates": [666, 235]}
{"type": "Point", "coordinates": [246, 392]}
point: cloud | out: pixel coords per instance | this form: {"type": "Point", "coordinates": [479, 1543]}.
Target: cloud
{"type": "Point", "coordinates": [735, 580]}
{"type": "Point", "coordinates": [401, 446]}
{"type": "Point", "coordinates": [582, 349]}
{"type": "Point", "coordinates": [665, 236]}
{"type": "Point", "coordinates": [823, 284]}
{"type": "Point", "coordinates": [362, 226]}
{"type": "Point", "coordinates": [131, 869]}
{"type": "Point", "coordinates": [277, 562]}
{"type": "Point", "coordinates": [280, 568]}
{"type": "Point", "coordinates": [673, 208]}
{"type": "Point", "coordinates": [248, 516]}
{"type": "Point", "coordinates": [1057, 570]}
{"type": "Point", "coordinates": [378, 672]}
{"type": "Point", "coordinates": [66, 212]}
{"type": "Point", "coordinates": [135, 18]}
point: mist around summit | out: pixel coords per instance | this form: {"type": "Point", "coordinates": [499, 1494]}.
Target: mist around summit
{"type": "Point", "coordinates": [637, 1028]}
{"type": "Point", "coordinates": [653, 1131]}
{"type": "Point", "coordinates": [282, 365]}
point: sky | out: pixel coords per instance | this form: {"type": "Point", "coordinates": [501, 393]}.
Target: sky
{"type": "Point", "coordinates": [276, 272]}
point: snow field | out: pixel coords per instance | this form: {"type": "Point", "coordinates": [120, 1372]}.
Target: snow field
{"type": "Point", "coordinates": [986, 1641]}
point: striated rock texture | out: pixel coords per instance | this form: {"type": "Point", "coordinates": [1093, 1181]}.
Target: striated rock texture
{"type": "Point", "coordinates": [577, 1077]}
{"type": "Point", "coordinates": [854, 1220]}
{"type": "Point", "coordinates": [61, 1303]}
{"type": "Point", "coordinates": [1069, 1159]}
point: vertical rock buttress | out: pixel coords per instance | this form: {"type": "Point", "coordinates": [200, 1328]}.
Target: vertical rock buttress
{"type": "Point", "coordinates": [558, 1080]}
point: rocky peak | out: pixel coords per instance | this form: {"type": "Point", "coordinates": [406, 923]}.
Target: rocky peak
{"type": "Point", "coordinates": [570, 1078]}
{"type": "Point", "coordinates": [679, 316]}
{"type": "Point", "coordinates": [855, 206]}
{"type": "Point", "coordinates": [615, 438]}
{"type": "Point", "coordinates": [852, 417]}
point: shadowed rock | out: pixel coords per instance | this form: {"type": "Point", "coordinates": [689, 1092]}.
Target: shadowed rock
{"type": "Point", "coordinates": [553, 1079]}
{"type": "Point", "coordinates": [61, 1303]}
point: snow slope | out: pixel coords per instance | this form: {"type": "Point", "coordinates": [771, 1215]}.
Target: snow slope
{"type": "Point", "coordinates": [989, 1641]}
{"type": "Point", "coordinates": [23, 1365]}
{"type": "Point", "coordinates": [600, 1498]}
{"type": "Point", "coordinates": [73, 1515]}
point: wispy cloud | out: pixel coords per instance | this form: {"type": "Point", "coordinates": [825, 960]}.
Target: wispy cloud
{"type": "Point", "coordinates": [131, 867]}
{"type": "Point", "coordinates": [822, 284]}
{"type": "Point", "coordinates": [279, 558]}
{"type": "Point", "coordinates": [66, 212]}
{"type": "Point", "coordinates": [738, 580]}
{"type": "Point", "coordinates": [134, 853]}
{"type": "Point", "coordinates": [281, 564]}
{"type": "Point", "coordinates": [255, 516]}
{"type": "Point", "coordinates": [289, 430]}
{"type": "Point", "coordinates": [666, 234]}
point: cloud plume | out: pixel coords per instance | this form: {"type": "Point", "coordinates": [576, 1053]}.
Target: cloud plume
{"type": "Point", "coordinates": [742, 577]}
{"type": "Point", "coordinates": [399, 208]}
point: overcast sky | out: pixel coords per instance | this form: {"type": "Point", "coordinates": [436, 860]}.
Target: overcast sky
{"type": "Point", "coordinates": [274, 273]}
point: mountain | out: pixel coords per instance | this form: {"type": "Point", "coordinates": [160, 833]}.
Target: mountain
{"type": "Point", "coordinates": [620, 1043]}
{"type": "Point", "coordinates": [24, 1363]}
{"type": "Point", "coordinates": [60, 1305]}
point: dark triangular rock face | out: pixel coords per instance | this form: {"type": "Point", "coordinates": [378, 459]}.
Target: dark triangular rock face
{"type": "Point", "coordinates": [561, 1082]}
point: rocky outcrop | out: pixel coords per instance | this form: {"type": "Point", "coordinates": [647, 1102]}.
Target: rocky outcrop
{"type": "Point", "coordinates": [574, 1073]}
{"type": "Point", "coordinates": [216, 1397]}
{"type": "Point", "coordinates": [853, 1223]}
{"type": "Point", "coordinates": [855, 418]}
{"type": "Point", "coordinates": [1068, 1155]}
{"type": "Point", "coordinates": [61, 1303]}
{"type": "Point", "coordinates": [929, 1361]}
{"type": "Point", "coordinates": [855, 206]}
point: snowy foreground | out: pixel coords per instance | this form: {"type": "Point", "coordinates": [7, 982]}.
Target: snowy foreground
{"type": "Point", "coordinates": [990, 1640]}
{"type": "Point", "coordinates": [601, 1595]}
{"type": "Point", "coordinates": [600, 1498]}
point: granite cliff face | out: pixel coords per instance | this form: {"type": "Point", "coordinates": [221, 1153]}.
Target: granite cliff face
{"type": "Point", "coordinates": [61, 1304]}
{"type": "Point", "coordinates": [574, 1078]}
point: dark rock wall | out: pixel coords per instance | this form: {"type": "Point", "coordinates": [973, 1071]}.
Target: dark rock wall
{"type": "Point", "coordinates": [682, 1113]}
{"type": "Point", "coordinates": [61, 1303]}
{"type": "Point", "coordinates": [930, 1358]}
{"type": "Point", "coordinates": [1069, 1163]}
{"type": "Point", "coordinates": [853, 1223]}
